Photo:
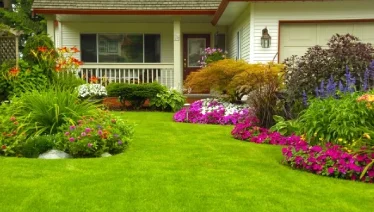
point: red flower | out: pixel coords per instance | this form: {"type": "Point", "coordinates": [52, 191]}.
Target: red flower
{"type": "Point", "coordinates": [14, 71]}
{"type": "Point", "coordinates": [94, 79]}
{"type": "Point", "coordinates": [74, 49]}
{"type": "Point", "coordinates": [12, 118]}
{"type": "Point", "coordinates": [3, 147]}
{"type": "Point", "coordinates": [42, 49]}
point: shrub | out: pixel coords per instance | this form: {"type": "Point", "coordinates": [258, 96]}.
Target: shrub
{"type": "Point", "coordinates": [36, 145]}
{"type": "Point", "coordinates": [168, 100]}
{"type": "Point", "coordinates": [135, 93]}
{"type": "Point", "coordinates": [330, 160]}
{"type": "Point", "coordinates": [91, 90]}
{"type": "Point", "coordinates": [305, 73]}
{"type": "Point", "coordinates": [341, 121]}
{"type": "Point", "coordinates": [212, 111]}
{"type": "Point", "coordinates": [44, 111]}
{"type": "Point", "coordinates": [230, 77]}
{"type": "Point", "coordinates": [33, 43]}
{"type": "Point", "coordinates": [12, 138]}
{"type": "Point", "coordinates": [91, 137]}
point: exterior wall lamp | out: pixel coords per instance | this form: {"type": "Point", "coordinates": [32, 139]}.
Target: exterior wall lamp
{"type": "Point", "coordinates": [265, 38]}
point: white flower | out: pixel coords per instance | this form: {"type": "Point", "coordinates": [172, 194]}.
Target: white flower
{"type": "Point", "coordinates": [91, 90]}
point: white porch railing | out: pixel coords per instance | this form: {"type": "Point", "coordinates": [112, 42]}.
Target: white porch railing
{"type": "Point", "coordinates": [128, 73]}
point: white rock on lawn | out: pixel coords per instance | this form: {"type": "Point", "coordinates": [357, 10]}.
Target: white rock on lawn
{"type": "Point", "coordinates": [54, 154]}
{"type": "Point", "coordinates": [105, 155]}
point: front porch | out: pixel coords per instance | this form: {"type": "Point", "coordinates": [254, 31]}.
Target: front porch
{"type": "Point", "coordinates": [136, 48]}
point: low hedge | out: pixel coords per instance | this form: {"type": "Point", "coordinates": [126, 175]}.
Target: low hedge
{"type": "Point", "coordinates": [137, 94]}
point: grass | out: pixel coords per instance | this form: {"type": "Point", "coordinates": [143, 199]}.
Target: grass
{"type": "Point", "coordinates": [176, 167]}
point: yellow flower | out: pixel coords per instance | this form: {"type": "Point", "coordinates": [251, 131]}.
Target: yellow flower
{"type": "Point", "coordinates": [315, 134]}
{"type": "Point", "coordinates": [340, 140]}
{"type": "Point", "coordinates": [366, 135]}
{"type": "Point", "coordinates": [321, 139]}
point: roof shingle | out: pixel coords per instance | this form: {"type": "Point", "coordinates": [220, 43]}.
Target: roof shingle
{"type": "Point", "coordinates": [127, 4]}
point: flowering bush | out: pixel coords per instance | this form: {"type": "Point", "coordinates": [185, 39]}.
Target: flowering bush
{"type": "Point", "coordinates": [212, 55]}
{"type": "Point", "coordinates": [91, 90]}
{"type": "Point", "coordinates": [11, 138]}
{"type": "Point", "coordinates": [332, 160]}
{"type": "Point", "coordinates": [212, 111]}
{"type": "Point", "coordinates": [91, 137]}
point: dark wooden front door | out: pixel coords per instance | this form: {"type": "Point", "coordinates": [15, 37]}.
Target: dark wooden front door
{"type": "Point", "coordinates": [193, 49]}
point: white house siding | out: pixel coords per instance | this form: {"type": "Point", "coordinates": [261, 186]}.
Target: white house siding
{"type": "Point", "coordinates": [71, 34]}
{"type": "Point", "coordinates": [241, 24]}
{"type": "Point", "coordinates": [269, 14]}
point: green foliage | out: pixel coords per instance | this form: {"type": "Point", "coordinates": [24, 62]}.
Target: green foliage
{"type": "Point", "coordinates": [168, 100]}
{"type": "Point", "coordinates": [67, 81]}
{"type": "Point", "coordinates": [135, 93]}
{"type": "Point", "coordinates": [11, 138]}
{"type": "Point", "coordinates": [36, 145]}
{"type": "Point", "coordinates": [5, 87]}
{"type": "Point", "coordinates": [21, 18]}
{"type": "Point", "coordinates": [44, 111]}
{"type": "Point", "coordinates": [305, 73]}
{"type": "Point", "coordinates": [92, 136]}
{"type": "Point", "coordinates": [341, 121]}
{"type": "Point", "coordinates": [284, 127]}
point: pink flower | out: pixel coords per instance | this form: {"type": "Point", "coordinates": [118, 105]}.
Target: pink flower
{"type": "Point", "coordinates": [12, 118]}
{"type": "Point", "coordinates": [89, 145]}
{"type": "Point", "coordinates": [71, 139]}
{"type": "Point", "coordinates": [87, 130]}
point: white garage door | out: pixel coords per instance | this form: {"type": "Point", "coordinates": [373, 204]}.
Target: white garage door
{"type": "Point", "coordinates": [296, 38]}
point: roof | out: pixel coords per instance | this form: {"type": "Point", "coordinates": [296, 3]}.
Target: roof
{"type": "Point", "coordinates": [150, 5]}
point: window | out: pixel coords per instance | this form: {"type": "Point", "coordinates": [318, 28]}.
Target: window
{"type": "Point", "coordinates": [121, 48]}
{"type": "Point", "coordinates": [220, 41]}
{"type": "Point", "coordinates": [238, 45]}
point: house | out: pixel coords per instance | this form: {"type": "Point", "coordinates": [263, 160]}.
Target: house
{"type": "Point", "coordinates": [143, 41]}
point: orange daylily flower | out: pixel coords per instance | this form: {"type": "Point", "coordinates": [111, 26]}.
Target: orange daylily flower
{"type": "Point", "coordinates": [14, 71]}
{"type": "Point", "coordinates": [42, 49]}
{"type": "Point", "coordinates": [74, 49]}
{"type": "Point", "coordinates": [94, 79]}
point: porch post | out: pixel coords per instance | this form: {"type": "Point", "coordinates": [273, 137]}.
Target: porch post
{"type": "Point", "coordinates": [177, 54]}
{"type": "Point", "coordinates": [51, 27]}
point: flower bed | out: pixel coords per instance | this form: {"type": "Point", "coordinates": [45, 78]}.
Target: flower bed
{"type": "Point", "coordinates": [328, 160]}
{"type": "Point", "coordinates": [332, 161]}
{"type": "Point", "coordinates": [212, 111]}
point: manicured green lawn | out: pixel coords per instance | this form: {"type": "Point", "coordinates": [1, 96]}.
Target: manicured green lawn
{"type": "Point", "coordinates": [176, 167]}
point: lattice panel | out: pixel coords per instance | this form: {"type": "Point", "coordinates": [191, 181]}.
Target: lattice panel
{"type": "Point", "coordinates": [7, 48]}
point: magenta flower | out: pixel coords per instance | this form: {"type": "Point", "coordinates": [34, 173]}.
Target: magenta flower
{"type": "Point", "coordinates": [99, 132]}
{"type": "Point", "coordinates": [72, 127]}
{"type": "Point", "coordinates": [71, 139]}
{"type": "Point", "coordinates": [87, 130]}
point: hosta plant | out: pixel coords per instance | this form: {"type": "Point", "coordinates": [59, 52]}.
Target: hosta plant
{"type": "Point", "coordinates": [168, 100]}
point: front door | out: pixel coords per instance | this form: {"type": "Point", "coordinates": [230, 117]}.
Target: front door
{"type": "Point", "coordinates": [194, 46]}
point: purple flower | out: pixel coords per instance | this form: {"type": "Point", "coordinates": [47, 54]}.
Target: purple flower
{"type": "Point", "coordinates": [119, 142]}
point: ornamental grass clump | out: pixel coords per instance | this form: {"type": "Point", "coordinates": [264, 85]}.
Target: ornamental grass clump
{"type": "Point", "coordinates": [213, 111]}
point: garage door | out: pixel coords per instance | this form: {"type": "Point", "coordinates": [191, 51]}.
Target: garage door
{"type": "Point", "coordinates": [296, 38]}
